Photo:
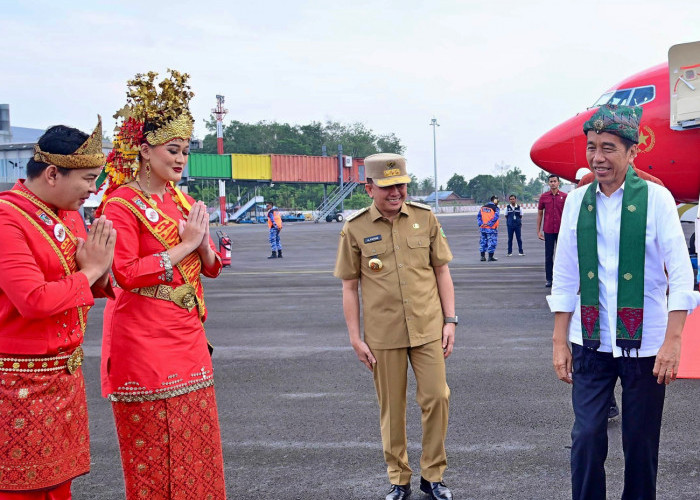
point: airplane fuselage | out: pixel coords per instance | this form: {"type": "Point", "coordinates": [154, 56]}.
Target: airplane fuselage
{"type": "Point", "coordinates": [671, 155]}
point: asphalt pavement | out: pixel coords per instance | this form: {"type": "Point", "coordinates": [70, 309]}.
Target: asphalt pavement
{"type": "Point", "coordinates": [298, 411]}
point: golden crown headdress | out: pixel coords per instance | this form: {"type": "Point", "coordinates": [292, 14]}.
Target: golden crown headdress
{"type": "Point", "coordinates": [149, 116]}
{"type": "Point", "coordinates": [88, 155]}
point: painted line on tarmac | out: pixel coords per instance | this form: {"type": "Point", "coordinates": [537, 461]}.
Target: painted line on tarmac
{"type": "Point", "coordinates": [262, 273]}
{"type": "Point", "coordinates": [316, 271]}
{"type": "Point", "coordinates": [343, 445]}
{"type": "Point", "coordinates": [492, 267]}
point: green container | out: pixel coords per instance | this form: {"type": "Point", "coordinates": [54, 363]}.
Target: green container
{"type": "Point", "coordinates": [210, 166]}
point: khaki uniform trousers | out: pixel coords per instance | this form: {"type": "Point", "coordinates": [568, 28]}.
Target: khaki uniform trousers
{"type": "Point", "coordinates": [433, 397]}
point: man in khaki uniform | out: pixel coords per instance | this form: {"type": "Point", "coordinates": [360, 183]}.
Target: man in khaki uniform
{"type": "Point", "coordinates": [399, 253]}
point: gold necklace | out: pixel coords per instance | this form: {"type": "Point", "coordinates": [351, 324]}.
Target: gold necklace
{"type": "Point", "coordinates": [147, 195]}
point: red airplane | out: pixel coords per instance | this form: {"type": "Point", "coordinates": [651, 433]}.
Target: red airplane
{"type": "Point", "coordinates": [673, 156]}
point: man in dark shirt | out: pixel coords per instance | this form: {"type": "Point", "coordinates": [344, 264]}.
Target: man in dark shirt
{"type": "Point", "coordinates": [550, 208]}
{"type": "Point", "coordinates": [514, 220]}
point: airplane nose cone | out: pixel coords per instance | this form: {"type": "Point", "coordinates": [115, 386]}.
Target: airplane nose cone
{"type": "Point", "coordinates": [554, 155]}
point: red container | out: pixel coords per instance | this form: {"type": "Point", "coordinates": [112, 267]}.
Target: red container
{"type": "Point", "coordinates": [356, 173]}
{"type": "Point", "coordinates": [304, 169]}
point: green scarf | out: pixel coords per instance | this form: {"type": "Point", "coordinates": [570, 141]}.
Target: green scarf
{"type": "Point", "coordinates": [630, 276]}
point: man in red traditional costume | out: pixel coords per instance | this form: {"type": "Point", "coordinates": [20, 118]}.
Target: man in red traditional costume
{"type": "Point", "coordinates": [156, 366]}
{"type": "Point", "coordinates": [50, 272]}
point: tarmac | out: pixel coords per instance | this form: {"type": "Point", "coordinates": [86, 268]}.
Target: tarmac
{"type": "Point", "coordinates": [298, 411]}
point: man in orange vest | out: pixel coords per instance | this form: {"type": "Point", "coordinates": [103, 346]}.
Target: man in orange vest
{"type": "Point", "coordinates": [274, 222]}
{"type": "Point", "coordinates": [488, 227]}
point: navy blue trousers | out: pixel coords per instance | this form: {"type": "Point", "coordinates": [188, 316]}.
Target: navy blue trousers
{"type": "Point", "coordinates": [550, 241]}
{"type": "Point", "coordinates": [515, 230]}
{"type": "Point", "coordinates": [595, 375]}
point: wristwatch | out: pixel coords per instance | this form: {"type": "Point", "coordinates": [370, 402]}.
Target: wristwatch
{"type": "Point", "coordinates": [452, 319]}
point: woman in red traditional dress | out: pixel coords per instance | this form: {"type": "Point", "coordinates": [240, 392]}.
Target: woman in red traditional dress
{"type": "Point", "coordinates": [156, 365]}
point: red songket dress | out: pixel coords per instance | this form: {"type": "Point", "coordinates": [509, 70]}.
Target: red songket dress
{"type": "Point", "coordinates": [156, 366]}
{"type": "Point", "coordinates": [44, 302]}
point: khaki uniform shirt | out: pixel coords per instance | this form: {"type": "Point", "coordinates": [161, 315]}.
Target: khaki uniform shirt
{"type": "Point", "coordinates": [400, 302]}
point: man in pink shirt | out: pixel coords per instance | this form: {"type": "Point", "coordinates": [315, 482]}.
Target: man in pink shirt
{"type": "Point", "coordinates": [550, 208]}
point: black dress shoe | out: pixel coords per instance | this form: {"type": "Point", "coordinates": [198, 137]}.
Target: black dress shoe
{"type": "Point", "coordinates": [548, 284]}
{"type": "Point", "coordinates": [399, 492]}
{"type": "Point", "coordinates": [436, 491]}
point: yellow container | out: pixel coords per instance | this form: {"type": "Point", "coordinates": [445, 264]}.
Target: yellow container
{"type": "Point", "coordinates": [251, 167]}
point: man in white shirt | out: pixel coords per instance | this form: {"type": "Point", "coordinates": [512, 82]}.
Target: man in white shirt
{"type": "Point", "coordinates": [619, 237]}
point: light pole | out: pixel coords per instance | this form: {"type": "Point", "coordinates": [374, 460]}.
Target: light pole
{"type": "Point", "coordinates": [435, 124]}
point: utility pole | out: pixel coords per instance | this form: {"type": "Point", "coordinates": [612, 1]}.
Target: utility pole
{"type": "Point", "coordinates": [219, 112]}
{"type": "Point", "coordinates": [435, 124]}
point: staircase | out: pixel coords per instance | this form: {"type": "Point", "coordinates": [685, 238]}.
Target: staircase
{"type": "Point", "coordinates": [250, 203]}
{"type": "Point", "coordinates": [333, 200]}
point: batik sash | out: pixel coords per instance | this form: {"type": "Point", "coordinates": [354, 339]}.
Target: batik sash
{"type": "Point", "coordinates": [630, 280]}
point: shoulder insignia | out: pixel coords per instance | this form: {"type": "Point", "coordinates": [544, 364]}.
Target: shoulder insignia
{"type": "Point", "coordinates": [357, 214]}
{"type": "Point", "coordinates": [419, 205]}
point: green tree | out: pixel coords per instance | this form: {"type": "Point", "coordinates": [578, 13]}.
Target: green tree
{"type": "Point", "coordinates": [483, 187]}
{"type": "Point", "coordinates": [282, 138]}
{"type": "Point", "coordinates": [458, 184]}
{"type": "Point", "coordinates": [426, 186]}
{"type": "Point", "coordinates": [413, 186]}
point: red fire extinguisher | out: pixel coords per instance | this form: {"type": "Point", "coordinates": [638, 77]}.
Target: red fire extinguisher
{"type": "Point", "coordinates": [224, 248]}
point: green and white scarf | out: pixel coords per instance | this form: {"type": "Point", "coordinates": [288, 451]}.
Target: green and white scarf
{"type": "Point", "coordinates": [630, 276]}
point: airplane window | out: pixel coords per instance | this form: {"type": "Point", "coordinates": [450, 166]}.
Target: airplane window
{"type": "Point", "coordinates": [642, 95]}
{"type": "Point", "coordinates": [621, 97]}
{"type": "Point", "coordinates": [602, 100]}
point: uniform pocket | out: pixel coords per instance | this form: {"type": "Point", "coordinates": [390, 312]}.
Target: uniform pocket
{"type": "Point", "coordinates": [419, 250]}
{"type": "Point", "coordinates": [375, 258]}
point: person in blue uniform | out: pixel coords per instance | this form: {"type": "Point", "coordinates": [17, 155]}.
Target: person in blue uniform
{"type": "Point", "coordinates": [514, 221]}
{"type": "Point", "coordinates": [488, 220]}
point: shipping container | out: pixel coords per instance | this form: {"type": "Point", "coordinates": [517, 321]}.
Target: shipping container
{"type": "Point", "coordinates": [356, 173]}
{"type": "Point", "coordinates": [251, 167]}
{"type": "Point", "coordinates": [305, 169]}
{"type": "Point", "coordinates": [209, 166]}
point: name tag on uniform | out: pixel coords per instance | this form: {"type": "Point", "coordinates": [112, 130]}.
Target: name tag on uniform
{"type": "Point", "coordinates": [372, 239]}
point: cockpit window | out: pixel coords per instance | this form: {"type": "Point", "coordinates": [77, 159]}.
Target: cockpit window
{"type": "Point", "coordinates": [621, 97]}
{"type": "Point", "coordinates": [628, 97]}
{"type": "Point", "coordinates": [603, 99]}
{"type": "Point", "coordinates": [642, 95]}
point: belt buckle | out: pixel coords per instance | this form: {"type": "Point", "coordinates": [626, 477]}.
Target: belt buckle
{"type": "Point", "coordinates": [184, 296]}
{"type": "Point", "coordinates": [75, 360]}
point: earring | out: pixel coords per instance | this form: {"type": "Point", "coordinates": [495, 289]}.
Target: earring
{"type": "Point", "coordinates": [148, 175]}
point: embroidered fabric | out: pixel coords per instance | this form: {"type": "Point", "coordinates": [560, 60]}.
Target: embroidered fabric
{"type": "Point", "coordinates": [167, 265]}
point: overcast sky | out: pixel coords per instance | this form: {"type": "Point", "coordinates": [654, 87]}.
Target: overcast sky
{"type": "Point", "coordinates": [496, 74]}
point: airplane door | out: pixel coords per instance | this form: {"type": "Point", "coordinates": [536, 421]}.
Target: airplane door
{"type": "Point", "coordinates": [684, 79]}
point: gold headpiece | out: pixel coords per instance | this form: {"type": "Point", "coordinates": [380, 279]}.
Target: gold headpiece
{"type": "Point", "coordinates": [88, 155]}
{"type": "Point", "coordinates": [166, 115]}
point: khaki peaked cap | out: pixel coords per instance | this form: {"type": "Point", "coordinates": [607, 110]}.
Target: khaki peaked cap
{"type": "Point", "coordinates": [386, 169]}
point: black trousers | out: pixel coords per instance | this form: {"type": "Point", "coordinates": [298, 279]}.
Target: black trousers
{"type": "Point", "coordinates": [550, 241]}
{"type": "Point", "coordinates": [595, 374]}
{"type": "Point", "coordinates": [515, 230]}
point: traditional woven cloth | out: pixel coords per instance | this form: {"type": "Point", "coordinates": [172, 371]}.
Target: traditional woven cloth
{"type": "Point", "coordinates": [622, 121]}
{"type": "Point", "coordinates": [44, 438]}
{"type": "Point", "coordinates": [171, 448]}
{"type": "Point", "coordinates": [630, 280]}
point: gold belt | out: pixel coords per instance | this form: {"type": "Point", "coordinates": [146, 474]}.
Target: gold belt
{"type": "Point", "coordinates": [70, 362]}
{"type": "Point", "coordinates": [183, 296]}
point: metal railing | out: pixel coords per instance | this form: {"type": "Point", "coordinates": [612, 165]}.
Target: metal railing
{"type": "Point", "coordinates": [329, 205]}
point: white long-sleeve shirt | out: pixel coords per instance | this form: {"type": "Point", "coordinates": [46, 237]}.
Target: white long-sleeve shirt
{"type": "Point", "coordinates": [665, 248]}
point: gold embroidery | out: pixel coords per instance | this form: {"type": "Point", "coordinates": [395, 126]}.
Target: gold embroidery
{"type": "Point", "coordinates": [627, 276]}
{"type": "Point", "coordinates": [591, 275]}
{"type": "Point", "coordinates": [391, 172]}
{"type": "Point", "coordinates": [631, 208]}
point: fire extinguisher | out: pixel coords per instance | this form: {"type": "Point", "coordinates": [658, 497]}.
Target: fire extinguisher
{"type": "Point", "coordinates": [224, 248]}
